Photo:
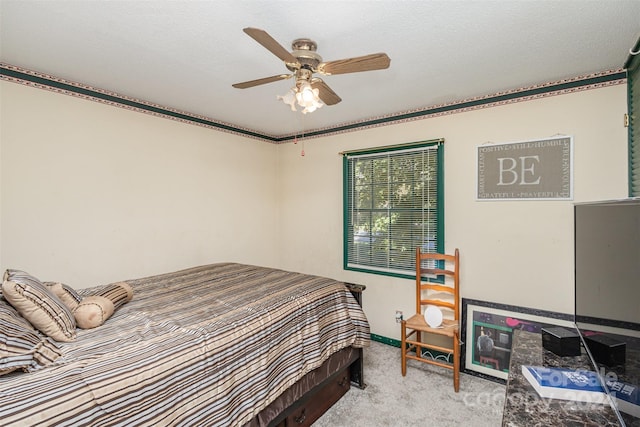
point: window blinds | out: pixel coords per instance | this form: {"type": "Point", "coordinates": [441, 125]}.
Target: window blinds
{"type": "Point", "coordinates": [393, 204]}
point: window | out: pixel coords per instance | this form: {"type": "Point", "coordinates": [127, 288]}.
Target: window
{"type": "Point", "coordinates": [633, 99]}
{"type": "Point", "coordinates": [393, 203]}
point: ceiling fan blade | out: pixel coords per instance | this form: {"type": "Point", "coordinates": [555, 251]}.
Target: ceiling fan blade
{"type": "Point", "coordinates": [375, 61]}
{"type": "Point", "coordinates": [271, 44]}
{"type": "Point", "coordinates": [252, 83]}
{"type": "Point", "coordinates": [325, 93]}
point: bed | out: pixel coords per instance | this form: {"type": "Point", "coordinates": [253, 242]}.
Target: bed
{"type": "Point", "coordinates": [224, 344]}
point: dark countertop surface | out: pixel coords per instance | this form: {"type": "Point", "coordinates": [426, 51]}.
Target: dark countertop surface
{"type": "Point", "coordinates": [524, 407]}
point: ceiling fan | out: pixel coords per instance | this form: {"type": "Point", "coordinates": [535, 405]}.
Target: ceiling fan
{"type": "Point", "coordinates": [304, 62]}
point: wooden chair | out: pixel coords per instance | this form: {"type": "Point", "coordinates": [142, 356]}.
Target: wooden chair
{"type": "Point", "coordinates": [446, 296]}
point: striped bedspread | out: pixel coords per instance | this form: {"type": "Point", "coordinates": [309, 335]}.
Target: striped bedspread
{"type": "Point", "coordinates": [207, 346]}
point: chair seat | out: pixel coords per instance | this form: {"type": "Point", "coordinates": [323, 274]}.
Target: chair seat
{"type": "Point", "coordinates": [448, 327]}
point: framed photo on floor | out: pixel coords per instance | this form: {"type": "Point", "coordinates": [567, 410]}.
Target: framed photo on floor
{"type": "Point", "coordinates": [487, 334]}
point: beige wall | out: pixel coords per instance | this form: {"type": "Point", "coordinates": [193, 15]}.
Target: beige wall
{"type": "Point", "coordinates": [2, 132]}
{"type": "Point", "coordinates": [512, 252]}
{"type": "Point", "coordinates": [92, 193]}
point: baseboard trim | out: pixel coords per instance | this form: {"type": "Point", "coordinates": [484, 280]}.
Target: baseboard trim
{"type": "Point", "coordinates": [386, 340]}
{"type": "Point", "coordinates": [433, 354]}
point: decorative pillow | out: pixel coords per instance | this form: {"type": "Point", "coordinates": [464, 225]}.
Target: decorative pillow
{"type": "Point", "coordinates": [95, 309]}
{"type": "Point", "coordinates": [20, 345]}
{"type": "Point", "coordinates": [41, 307]}
{"type": "Point", "coordinates": [119, 293]}
{"type": "Point", "coordinates": [67, 294]}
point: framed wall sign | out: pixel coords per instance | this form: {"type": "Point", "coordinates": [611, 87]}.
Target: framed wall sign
{"type": "Point", "coordinates": [528, 170]}
{"type": "Point", "coordinates": [487, 334]}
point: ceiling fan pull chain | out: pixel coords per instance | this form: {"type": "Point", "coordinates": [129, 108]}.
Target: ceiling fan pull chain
{"type": "Point", "coordinates": [302, 125]}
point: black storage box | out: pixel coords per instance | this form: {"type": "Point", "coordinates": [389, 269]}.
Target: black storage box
{"type": "Point", "coordinates": [606, 350]}
{"type": "Point", "coordinates": [561, 341]}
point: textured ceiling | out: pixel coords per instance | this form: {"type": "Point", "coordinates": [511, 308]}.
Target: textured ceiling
{"type": "Point", "coordinates": [186, 54]}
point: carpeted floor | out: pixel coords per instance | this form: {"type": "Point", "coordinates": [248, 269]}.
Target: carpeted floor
{"type": "Point", "coordinates": [424, 397]}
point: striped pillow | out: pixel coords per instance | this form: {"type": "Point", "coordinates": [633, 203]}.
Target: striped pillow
{"type": "Point", "coordinates": [67, 294]}
{"type": "Point", "coordinates": [36, 303]}
{"type": "Point", "coordinates": [95, 309]}
{"type": "Point", "coordinates": [20, 345]}
{"type": "Point", "coordinates": [119, 293]}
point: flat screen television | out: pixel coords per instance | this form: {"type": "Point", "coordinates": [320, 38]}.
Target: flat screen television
{"type": "Point", "coordinates": [607, 297]}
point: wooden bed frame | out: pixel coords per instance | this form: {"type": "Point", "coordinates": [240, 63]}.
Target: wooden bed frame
{"type": "Point", "coordinates": [313, 404]}
{"type": "Point", "coordinates": [316, 401]}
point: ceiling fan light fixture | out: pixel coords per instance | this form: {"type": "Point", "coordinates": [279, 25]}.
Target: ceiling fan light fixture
{"type": "Point", "coordinates": [289, 98]}
{"type": "Point", "coordinates": [305, 94]}
{"type": "Point", "coordinates": [306, 97]}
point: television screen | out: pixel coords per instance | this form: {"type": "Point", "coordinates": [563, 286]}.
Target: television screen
{"type": "Point", "coordinates": [607, 296]}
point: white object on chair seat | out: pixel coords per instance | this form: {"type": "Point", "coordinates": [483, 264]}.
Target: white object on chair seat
{"type": "Point", "coordinates": [433, 316]}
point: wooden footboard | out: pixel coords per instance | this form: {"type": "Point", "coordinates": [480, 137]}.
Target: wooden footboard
{"type": "Point", "coordinates": [305, 401]}
{"type": "Point", "coordinates": [306, 410]}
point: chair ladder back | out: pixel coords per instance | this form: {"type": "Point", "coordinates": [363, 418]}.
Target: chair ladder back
{"type": "Point", "coordinates": [439, 303]}
{"type": "Point", "coordinates": [454, 273]}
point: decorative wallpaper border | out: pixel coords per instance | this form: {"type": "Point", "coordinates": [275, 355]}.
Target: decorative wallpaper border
{"type": "Point", "coordinates": [44, 81]}
{"type": "Point", "coordinates": [577, 84]}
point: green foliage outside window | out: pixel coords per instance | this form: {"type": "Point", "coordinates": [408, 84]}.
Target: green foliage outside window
{"type": "Point", "coordinates": [392, 205]}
